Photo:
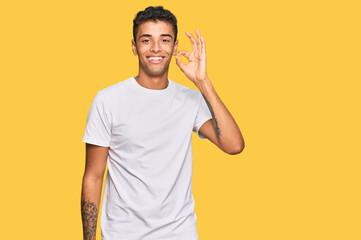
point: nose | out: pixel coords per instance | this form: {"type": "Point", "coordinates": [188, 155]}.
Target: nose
{"type": "Point", "coordinates": [155, 47]}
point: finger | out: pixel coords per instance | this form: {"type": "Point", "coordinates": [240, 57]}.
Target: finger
{"type": "Point", "coordinates": [199, 41]}
{"type": "Point", "coordinates": [179, 63]}
{"type": "Point", "coordinates": [184, 53]}
{"type": "Point", "coordinates": [203, 47]}
{"type": "Point", "coordinates": [193, 41]}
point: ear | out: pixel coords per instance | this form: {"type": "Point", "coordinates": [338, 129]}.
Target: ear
{"type": "Point", "coordinates": [134, 48]}
{"type": "Point", "coordinates": [175, 47]}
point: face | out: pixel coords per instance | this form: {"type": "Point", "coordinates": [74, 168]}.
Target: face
{"type": "Point", "coordinates": [155, 47]}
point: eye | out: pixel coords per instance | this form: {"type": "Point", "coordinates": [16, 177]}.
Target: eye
{"type": "Point", "coordinates": [165, 40]}
{"type": "Point", "coordinates": [145, 40]}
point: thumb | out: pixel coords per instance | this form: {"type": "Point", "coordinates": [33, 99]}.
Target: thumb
{"type": "Point", "coordinates": [179, 63]}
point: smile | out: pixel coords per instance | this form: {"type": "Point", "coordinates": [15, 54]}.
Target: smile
{"type": "Point", "coordinates": [155, 59]}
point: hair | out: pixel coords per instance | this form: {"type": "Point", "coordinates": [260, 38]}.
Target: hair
{"type": "Point", "coordinates": [154, 14]}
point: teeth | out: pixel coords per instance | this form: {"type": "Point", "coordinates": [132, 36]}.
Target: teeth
{"type": "Point", "coordinates": [155, 58]}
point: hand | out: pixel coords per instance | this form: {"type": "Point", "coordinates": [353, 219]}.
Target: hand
{"type": "Point", "coordinates": [196, 69]}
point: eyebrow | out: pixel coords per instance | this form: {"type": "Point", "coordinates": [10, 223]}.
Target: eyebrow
{"type": "Point", "coordinates": [148, 35]}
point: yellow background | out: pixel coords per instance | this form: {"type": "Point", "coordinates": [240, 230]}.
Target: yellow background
{"type": "Point", "coordinates": [288, 71]}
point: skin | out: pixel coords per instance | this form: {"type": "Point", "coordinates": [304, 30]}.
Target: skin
{"type": "Point", "coordinates": [154, 76]}
{"type": "Point", "coordinates": [89, 217]}
{"type": "Point", "coordinates": [95, 163]}
{"type": "Point", "coordinates": [222, 129]}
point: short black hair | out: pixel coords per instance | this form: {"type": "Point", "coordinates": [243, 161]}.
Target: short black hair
{"type": "Point", "coordinates": [154, 14]}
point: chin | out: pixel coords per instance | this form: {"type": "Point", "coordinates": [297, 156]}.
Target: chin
{"type": "Point", "coordinates": [156, 73]}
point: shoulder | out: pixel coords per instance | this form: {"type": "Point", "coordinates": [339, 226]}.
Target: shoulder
{"type": "Point", "coordinates": [115, 89]}
{"type": "Point", "coordinates": [186, 91]}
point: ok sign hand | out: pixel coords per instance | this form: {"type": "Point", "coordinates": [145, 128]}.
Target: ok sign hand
{"type": "Point", "coordinates": [195, 69]}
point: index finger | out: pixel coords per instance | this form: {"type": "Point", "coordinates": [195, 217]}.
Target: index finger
{"type": "Point", "coordinates": [193, 41]}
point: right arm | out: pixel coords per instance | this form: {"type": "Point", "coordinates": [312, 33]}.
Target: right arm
{"type": "Point", "coordinates": [96, 159]}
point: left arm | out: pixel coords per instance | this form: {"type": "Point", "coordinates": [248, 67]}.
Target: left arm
{"type": "Point", "coordinates": [223, 129]}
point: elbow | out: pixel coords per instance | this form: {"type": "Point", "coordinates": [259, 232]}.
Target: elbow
{"type": "Point", "coordinates": [237, 150]}
{"type": "Point", "coordinates": [91, 180]}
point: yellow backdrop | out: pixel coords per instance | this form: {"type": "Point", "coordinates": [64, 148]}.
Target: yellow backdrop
{"type": "Point", "coordinates": [288, 71]}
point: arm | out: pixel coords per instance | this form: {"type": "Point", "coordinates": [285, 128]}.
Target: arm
{"type": "Point", "coordinates": [223, 130]}
{"type": "Point", "coordinates": [96, 157]}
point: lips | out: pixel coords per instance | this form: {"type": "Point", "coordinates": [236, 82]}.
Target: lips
{"type": "Point", "coordinates": [155, 59]}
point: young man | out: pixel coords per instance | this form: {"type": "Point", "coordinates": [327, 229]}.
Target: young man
{"type": "Point", "coordinates": [142, 128]}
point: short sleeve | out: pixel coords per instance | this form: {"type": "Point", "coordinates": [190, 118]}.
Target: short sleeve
{"type": "Point", "coordinates": [203, 114]}
{"type": "Point", "coordinates": [98, 124]}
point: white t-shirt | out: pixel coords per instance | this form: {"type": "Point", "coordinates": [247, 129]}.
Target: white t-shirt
{"type": "Point", "coordinates": [148, 189]}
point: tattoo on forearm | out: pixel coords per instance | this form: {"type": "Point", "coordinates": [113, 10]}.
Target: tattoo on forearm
{"type": "Point", "coordinates": [214, 118]}
{"type": "Point", "coordinates": [89, 214]}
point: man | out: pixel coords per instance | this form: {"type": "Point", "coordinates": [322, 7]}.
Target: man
{"type": "Point", "coordinates": [142, 128]}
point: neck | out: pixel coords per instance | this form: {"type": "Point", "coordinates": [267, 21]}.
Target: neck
{"type": "Point", "coordinates": [152, 81]}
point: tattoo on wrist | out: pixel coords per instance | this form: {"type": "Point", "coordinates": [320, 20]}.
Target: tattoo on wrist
{"type": "Point", "coordinates": [89, 214]}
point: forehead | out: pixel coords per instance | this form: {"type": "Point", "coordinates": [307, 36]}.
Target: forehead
{"type": "Point", "coordinates": [155, 28]}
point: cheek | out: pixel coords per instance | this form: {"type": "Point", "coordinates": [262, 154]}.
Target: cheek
{"type": "Point", "coordinates": [169, 49]}
{"type": "Point", "coordinates": [141, 49]}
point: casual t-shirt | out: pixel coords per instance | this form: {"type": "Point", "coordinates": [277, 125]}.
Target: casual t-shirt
{"type": "Point", "coordinates": [148, 187]}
